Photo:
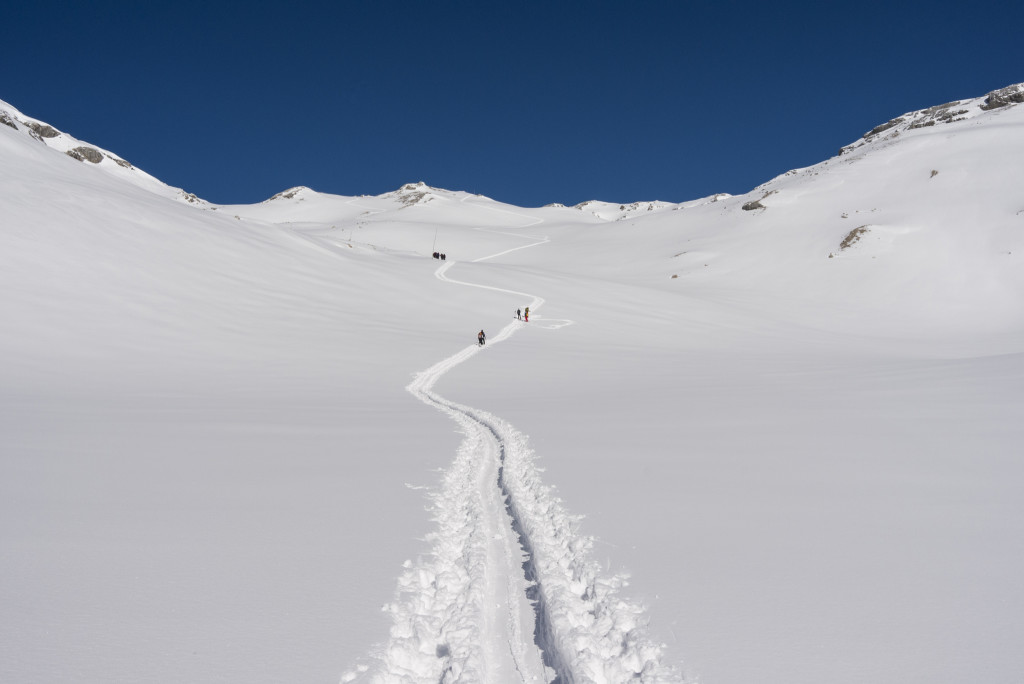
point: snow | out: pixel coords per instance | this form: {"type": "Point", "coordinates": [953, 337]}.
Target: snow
{"type": "Point", "coordinates": [794, 462]}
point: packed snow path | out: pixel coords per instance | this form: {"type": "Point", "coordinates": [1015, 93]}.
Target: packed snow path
{"type": "Point", "coordinates": [509, 592]}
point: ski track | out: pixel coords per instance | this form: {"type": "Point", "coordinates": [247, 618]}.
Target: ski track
{"type": "Point", "coordinates": [509, 591]}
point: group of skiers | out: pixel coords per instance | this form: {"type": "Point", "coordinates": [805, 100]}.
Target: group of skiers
{"type": "Point", "coordinates": [521, 314]}
{"type": "Point", "coordinates": [438, 255]}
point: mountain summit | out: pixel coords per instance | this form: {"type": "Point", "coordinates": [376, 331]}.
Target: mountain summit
{"type": "Point", "coordinates": [951, 112]}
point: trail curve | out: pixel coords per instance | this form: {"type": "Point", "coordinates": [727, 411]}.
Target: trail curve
{"type": "Point", "coordinates": [510, 592]}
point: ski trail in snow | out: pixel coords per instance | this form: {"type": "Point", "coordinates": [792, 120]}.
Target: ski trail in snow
{"type": "Point", "coordinates": [533, 222]}
{"type": "Point", "coordinates": [462, 614]}
{"type": "Point", "coordinates": [514, 249]}
{"type": "Point", "coordinates": [535, 301]}
{"type": "Point", "coordinates": [509, 592]}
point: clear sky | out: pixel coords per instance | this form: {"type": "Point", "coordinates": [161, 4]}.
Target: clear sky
{"type": "Point", "coordinates": [525, 102]}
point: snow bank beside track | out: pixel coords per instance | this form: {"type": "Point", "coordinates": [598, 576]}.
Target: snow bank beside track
{"type": "Point", "coordinates": [437, 630]}
{"type": "Point", "coordinates": [593, 633]}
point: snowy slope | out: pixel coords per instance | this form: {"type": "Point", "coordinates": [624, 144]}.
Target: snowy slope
{"type": "Point", "coordinates": [90, 155]}
{"type": "Point", "coordinates": [792, 416]}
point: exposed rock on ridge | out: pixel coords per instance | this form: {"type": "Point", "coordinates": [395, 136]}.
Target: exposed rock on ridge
{"type": "Point", "coordinates": [88, 154]}
{"type": "Point", "coordinates": [948, 113]}
{"type": "Point", "coordinates": [1007, 96]}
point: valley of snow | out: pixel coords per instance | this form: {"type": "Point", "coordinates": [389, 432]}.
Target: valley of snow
{"type": "Point", "coordinates": [231, 435]}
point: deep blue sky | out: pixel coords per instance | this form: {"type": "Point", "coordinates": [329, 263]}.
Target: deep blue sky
{"type": "Point", "coordinates": [525, 102]}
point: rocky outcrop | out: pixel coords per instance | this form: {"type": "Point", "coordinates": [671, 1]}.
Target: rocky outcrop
{"type": "Point", "coordinates": [756, 204]}
{"type": "Point", "coordinates": [88, 154]}
{"type": "Point", "coordinates": [951, 112]}
{"type": "Point", "coordinates": [943, 114]}
{"type": "Point", "coordinates": [853, 237]}
{"type": "Point", "coordinates": [892, 123]}
{"type": "Point", "coordinates": [1007, 96]}
{"type": "Point", "coordinates": [288, 194]}
{"type": "Point", "coordinates": [43, 130]}
{"type": "Point", "coordinates": [7, 120]}
{"type": "Point", "coordinates": [412, 194]}
{"type": "Point", "coordinates": [940, 114]}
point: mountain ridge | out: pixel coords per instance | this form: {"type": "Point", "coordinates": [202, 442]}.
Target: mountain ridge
{"type": "Point", "coordinates": [414, 193]}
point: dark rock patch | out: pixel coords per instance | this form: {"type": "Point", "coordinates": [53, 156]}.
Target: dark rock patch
{"type": "Point", "coordinates": [853, 237]}
{"type": "Point", "coordinates": [88, 154]}
{"type": "Point", "coordinates": [892, 123]}
{"type": "Point", "coordinates": [1001, 98]}
{"type": "Point", "coordinates": [288, 194]}
{"type": "Point", "coordinates": [43, 130]}
{"type": "Point", "coordinates": [756, 204]}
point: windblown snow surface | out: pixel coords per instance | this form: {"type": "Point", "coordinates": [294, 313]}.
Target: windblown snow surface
{"type": "Point", "coordinates": [231, 435]}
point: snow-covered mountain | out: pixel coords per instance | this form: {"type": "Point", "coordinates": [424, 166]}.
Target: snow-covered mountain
{"type": "Point", "coordinates": [792, 416]}
{"type": "Point", "coordinates": [87, 153]}
{"type": "Point", "coordinates": [951, 112]}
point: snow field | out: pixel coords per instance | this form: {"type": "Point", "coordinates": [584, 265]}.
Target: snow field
{"type": "Point", "coordinates": [447, 625]}
{"type": "Point", "coordinates": [810, 465]}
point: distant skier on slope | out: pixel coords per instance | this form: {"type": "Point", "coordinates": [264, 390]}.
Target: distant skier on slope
{"type": "Point", "coordinates": [481, 338]}
{"type": "Point", "coordinates": [519, 314]}
{"type": "Point", "coordinates": [526, 314]}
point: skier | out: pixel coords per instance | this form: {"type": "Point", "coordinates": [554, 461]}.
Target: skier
{"type": "Point", "coordinates": [526, 314]}
{"type": "Point", "coordinates": [519, 314]}
{"type": "Point", "coordinates": [481, 337]}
